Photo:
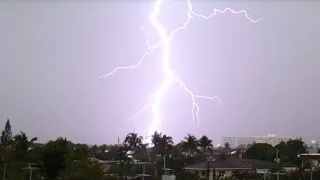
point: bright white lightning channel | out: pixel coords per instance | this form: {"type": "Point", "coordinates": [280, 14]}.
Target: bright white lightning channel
{"type": "Point", "coordinates": [170, 77]}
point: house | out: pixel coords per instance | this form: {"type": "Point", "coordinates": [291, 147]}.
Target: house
{"type": "Point", "coordinates": [229, 166]}
{"type": "Point", "coordinates": [314, 158]}
{"type": "Point", "coordinates": [106, 165]}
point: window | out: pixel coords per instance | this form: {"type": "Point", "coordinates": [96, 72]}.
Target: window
{"type": "Point", "coordinates": [203, 173]}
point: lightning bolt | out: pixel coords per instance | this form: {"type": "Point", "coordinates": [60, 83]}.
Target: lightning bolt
{"type": "Point", "coordinates": [169, 76]}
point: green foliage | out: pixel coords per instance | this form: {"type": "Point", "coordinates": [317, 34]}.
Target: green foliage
{"type": "Point", "coordinates": [4, 155]}
{"type": "Point", "coordinates": [61, 159]}
{"type": "Point", "coordinates": [79, 152]}
{"type": "Point", "coordinates": [12, 173]}
{"type": "Point", "coordinates": [288, 151]}
{"type": "Point", "coordinates": [6, 135]}
{"type": "Point", "coordinates": [190, 145]}
{"type": "Point", "coordinates": [260, 151]}
{"type": "Point", "coordinates": [188, 175]}
{"type": "Point", "coordinates": [55, 155]}
{"type": "Point", "coordinates": [22, 145]}
{"type": "Point", "coordinates": [205, 144]}
{"type": "Point", "coordinates": [133, 140]}
{"type": "Point", "coordinates": [82, 170]}
{"type": "Point", "coordinates": [162, 144]}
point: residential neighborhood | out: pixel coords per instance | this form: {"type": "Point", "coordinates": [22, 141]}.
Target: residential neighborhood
{"type": "Point", "coordinates": [191, 159]}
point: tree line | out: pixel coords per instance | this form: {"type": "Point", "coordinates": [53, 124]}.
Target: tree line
{"type": "Point", "coordinates": [21, 157]}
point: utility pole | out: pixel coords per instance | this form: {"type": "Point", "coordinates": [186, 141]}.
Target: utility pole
{"type": "Point", "coordinates": [278, 161]}
{"type": "Point", "coordinates": [144, 170]}
{"type": "Point", "coordinates": [4, 171]}
{"type": "Point", "coordinates": [30, 168]}
{"type": "Point", "coordinates": [30, 171]}
{"type": "Point", "coordinates": [242, 153]}
{"type": "Point", "coordinates": [311, 166]}
{"type": "Point", "coordinates": [106, 157]}
{"type": "Point", "coordinates": [208, 169]}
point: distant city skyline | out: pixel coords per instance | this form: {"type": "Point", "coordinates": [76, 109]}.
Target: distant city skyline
{"type": "Point", "coordinates": [271, 139]}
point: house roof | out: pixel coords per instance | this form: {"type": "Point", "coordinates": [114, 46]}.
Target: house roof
{"type": "Point", "coordinates": [99, 161]}
{"type": "Point", "coordinates": [232, 163]}
{"type": "Point", "coordinates": [306, 156]}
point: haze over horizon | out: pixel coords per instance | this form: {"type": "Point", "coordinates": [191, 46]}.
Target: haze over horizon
{"type": "Point", "coordinates": [266, 74]}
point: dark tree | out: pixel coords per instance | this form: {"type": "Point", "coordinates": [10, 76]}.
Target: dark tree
{"type": "Point", "coordinates": [55, 156]}
{"type": "Point", "coordinates": [206, 144]}
{"type": "Point", "coordinates": [260, 151]}
{"type": "Point", "coordinates": [6, 135]}
{"type": "Point", "coordinates": [227, 147]}
{"type": "Point", "coordinates": [79, 152]}
{"type": "Point", "coordinates": [124, 161]}
{"type": "Point", "coordinates": [133, 140]}
{"type": "Point", "coordinates": [83, 170]}
{"type": "Point", "coordinates": [22, 145]}
{"type": "Point", "coordinates": [190, 145]}
{"type": "Point", "coordinates": [162, 146]}
{"type": "Point", "coordinates": [289, 150]}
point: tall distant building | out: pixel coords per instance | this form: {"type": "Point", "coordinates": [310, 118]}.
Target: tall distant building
{"type": "Point", "coordinates": [315, 144]}
{"type": "Point", "coordinates": [271, 139]}
{"type": "Point", "coordinates": [237, 141]}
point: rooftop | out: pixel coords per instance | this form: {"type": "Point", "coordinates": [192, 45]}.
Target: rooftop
{"type": "Point", "coordinates": [306, 156]}
{"type": "Point", "coordinates": [232, 163]}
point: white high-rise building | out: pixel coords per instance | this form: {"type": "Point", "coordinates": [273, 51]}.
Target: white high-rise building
{"type": "Point", "coordinates": [238, 141]}
{"type": "Point", "coordinates": [315, 144]}
{"type": "Point", "coordinates": [271, 139]}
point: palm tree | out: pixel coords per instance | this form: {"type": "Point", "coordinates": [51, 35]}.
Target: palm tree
{"type": "Point", "coordinates": [141, 154]}
{"type": "Point", "coordinates": [133, 140]}
{"type": "Point", "coordinates": [227, 147]}
{"type": "Point", "coordinates": [23, 141]}
{"type": "Point", "coordinates": [190, 144]}
{"type": "Point", "coordinates": [206, 147]}
{"type": "Point", "coordinates": [162, 145]}
{"type": "Point", "coordinates": [22, 144]}
{"type": "Point", "coordinates": [155, 138]}
{"type": "Point", "coordinates": [205, 144]}
{"type": "Point", "coordinates": [124, 160]}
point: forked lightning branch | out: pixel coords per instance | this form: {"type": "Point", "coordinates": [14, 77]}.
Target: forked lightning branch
{"type": "Point", "coordinates": [155, 100]}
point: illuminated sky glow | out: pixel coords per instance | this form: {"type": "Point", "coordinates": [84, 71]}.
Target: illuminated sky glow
{"type": "Point", "coordinates": [266, 74]}
{"type": "Point", "coordinates": [169, 75]}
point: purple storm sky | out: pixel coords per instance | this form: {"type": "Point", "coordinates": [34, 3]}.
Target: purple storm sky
{"type": "Point", "coordinates": [266, 74]}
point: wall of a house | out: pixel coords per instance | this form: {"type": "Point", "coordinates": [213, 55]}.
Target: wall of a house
{"type": "Point", "coordinates": [202, 174]}
{"type": "Point", "coordinates": [315, 162]}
